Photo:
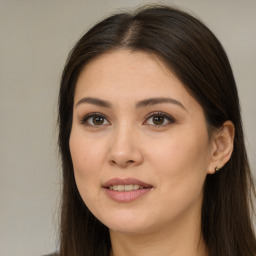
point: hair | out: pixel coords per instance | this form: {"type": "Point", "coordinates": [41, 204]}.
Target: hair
{"type": "Point", "coordinates": [192, 52]}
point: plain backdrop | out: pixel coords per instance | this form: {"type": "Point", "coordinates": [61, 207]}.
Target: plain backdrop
{"type": "Point", "coordinates": [35, 38]}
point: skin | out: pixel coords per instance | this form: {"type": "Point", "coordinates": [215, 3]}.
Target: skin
{"type": "Point", "coordinates": [174, 158]}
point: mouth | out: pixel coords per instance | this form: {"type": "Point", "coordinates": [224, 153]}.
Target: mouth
{"type": "Point", "coordinates": [126, 190]}
{"type": "Point", "coordinates": [130, 187]}
{"type": "Point", "coordinates": [126, 184]}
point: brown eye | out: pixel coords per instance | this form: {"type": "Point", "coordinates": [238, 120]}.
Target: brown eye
{"type": "Point", "coordinates": [95, 119]}
{"type": "Point", "coordinates": [98, 120]}
{"type": "Point", "coordinates": [159, 119]}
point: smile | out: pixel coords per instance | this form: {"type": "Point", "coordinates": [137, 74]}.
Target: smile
{"type": "Point", "coordinates": [125, 187]}
{"type": "Point", "coordinates": [126, 190]}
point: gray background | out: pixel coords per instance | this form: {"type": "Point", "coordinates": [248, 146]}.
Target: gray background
{"type": "Point", "coordinates": [35, 38]}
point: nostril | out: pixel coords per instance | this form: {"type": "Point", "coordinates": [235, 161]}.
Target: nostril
{"type": "Point", "coordinates": [112, 162]}
{"type": "Point", "coordinates": [122, 163]}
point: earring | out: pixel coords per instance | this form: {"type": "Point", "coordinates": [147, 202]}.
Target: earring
{"type": "Point", "coordinates": [217, 169]}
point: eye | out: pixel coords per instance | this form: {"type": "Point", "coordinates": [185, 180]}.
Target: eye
{"type": "Point", "coordinates": [95, 119]}
{"type": "Point", "coordinates": [159, 119]}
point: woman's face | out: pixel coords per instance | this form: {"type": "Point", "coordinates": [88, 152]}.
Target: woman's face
{"type": "Point", "coordinates": [139, 144]}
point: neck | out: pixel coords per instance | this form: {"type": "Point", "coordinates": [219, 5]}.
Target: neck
{"type": "Point", "coordinates": [178, 239]}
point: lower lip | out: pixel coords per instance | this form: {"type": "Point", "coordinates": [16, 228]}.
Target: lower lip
{"type": "Point", "coordinates": [126, 196]}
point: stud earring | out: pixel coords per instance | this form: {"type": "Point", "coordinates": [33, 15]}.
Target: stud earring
{"type": "Point", "coordinates": [217, 169]}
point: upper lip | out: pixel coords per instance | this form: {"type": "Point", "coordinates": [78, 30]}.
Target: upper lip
{"type": "Point", "coordinates": [125, 181]}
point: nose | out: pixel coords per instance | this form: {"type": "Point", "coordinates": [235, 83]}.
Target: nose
{"type": "Point", "coordinates": [125, 150]}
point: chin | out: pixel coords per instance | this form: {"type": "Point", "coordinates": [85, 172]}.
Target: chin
{"type": "Point", "coordinates": [127, 223]}
{"type": "Point", "coordinates": [129, 229]}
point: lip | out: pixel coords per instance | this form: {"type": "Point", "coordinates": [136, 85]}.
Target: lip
{"type": "Point", "coordinates": [126, 196]}
{"type": "Point", "coordinates": [126, 181]}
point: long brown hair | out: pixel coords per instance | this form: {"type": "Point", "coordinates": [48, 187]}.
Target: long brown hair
{"type": "Point", "coordinates": [197, 58]}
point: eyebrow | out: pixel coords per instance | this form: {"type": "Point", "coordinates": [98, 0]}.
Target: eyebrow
{"type": "Point", "coordinates": [140, 104]}
{"type": "Point", "coordinates": [154, 101]}
{"type": "Point", "coordinates": [94, 101]}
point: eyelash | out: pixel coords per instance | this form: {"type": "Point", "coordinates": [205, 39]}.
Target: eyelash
{"type": "Point", "coordinates": [169, 118]}
{"type": "Point", "coordinates": [85, 119]}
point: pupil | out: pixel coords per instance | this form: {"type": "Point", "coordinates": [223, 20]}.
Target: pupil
{"type": "Point", "coordinates": [98, 120]}
{"type": "Point", "coordinates": [158, 120]}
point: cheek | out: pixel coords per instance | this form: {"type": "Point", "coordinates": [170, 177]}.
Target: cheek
{"type": "Point", "coordinates": [86, 161]}
{"type": "Point", "coordinates": [180, 154]}
{"type": "Point", "coordinates": [186, 148]}
{"type": "Point", "coordinates": [88, 157]}
{"type": "Point", "coordinates": [86, 150]}
{"type": "Point", "coordinates": [180, 163]}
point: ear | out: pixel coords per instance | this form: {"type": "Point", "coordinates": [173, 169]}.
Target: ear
{"type": "Point", "coordinates": [222, 147]}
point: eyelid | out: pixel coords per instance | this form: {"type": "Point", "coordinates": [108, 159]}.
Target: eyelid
{"type": "Point", "coordinates": [85, 118]}
{"type": "Point", "coordinates": [170, 118]}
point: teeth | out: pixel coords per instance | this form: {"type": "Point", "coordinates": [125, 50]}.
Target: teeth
{"type": "Point", "coordinates": [136, 187]}
{"type": "Point", "coordinates": [125, 187]}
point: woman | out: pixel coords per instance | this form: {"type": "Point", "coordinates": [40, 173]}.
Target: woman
{"type": "Point", "coordinates": [151, 139]}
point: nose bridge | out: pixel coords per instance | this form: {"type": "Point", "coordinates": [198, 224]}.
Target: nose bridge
{"type": "Point", "coordinates": [124, 147]}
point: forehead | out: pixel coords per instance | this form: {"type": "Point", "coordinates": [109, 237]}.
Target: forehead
{"type": "Point", "coordinates": [124, 62]}
{"type": "Point", "coordinates": [124, 74]}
